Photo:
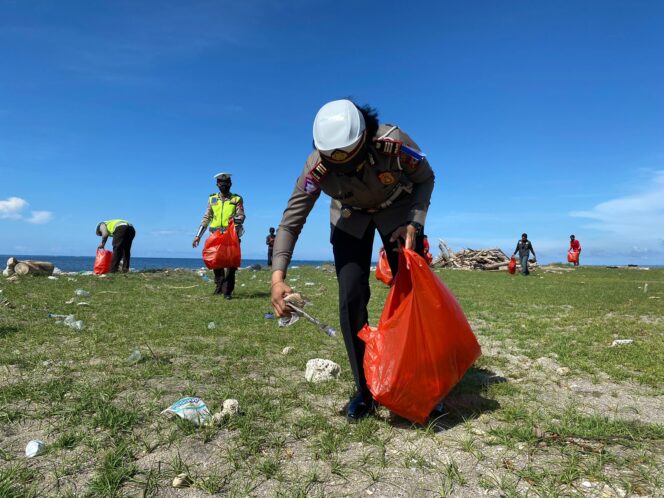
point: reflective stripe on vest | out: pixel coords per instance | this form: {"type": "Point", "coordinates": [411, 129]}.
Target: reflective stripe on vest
{"type": "Point", "coordinates": [222, 209]}
{"type": "Point", "coordinates": [112, 224]}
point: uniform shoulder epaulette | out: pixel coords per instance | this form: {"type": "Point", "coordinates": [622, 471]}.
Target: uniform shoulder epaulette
{"type": "Point", "coordinates": [318, 172]}
{"type": "Point", "coordinates": [313, 177]}
{"type": "Point", "coordinates": [385, 145]}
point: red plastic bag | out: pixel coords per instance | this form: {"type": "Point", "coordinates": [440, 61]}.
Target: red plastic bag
{"type": "Point", "coordinates": [383, 270]}
{"type": "Point", "coordinates": [511, 267]}
{"type": "Point", "coordinates": [102, 261]}
{"type": "Point", "coordinates": [222, 250]}
{"type": "Point", "coordinates": [573, 256]}
{"type": "Point", "coordinates": [422, 346]}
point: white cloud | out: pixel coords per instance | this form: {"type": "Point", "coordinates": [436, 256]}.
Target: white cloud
{"type": "Point", "coordinates": [640, 214]}
{"type": "Point", "coordinates": [40, 217]}
{"type": "Point", "coordinates": [631, 225]}
{"type": "Point", "coordinates": [11, 208]}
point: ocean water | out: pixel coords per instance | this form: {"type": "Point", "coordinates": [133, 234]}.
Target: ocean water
{"type": "Point", "coordinates": [85, 263]}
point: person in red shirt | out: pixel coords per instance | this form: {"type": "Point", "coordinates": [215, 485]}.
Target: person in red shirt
{"type": "Point", "coordinates": [575, 246]}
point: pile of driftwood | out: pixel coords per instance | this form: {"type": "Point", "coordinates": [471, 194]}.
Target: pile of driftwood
{"type": "Point", "coordinates": [472, 259]}
{"type": "Point", "coordinates": [27, 267]}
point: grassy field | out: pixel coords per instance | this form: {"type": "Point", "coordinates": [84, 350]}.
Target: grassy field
{"type": "Point", "coordinates": [550, 409]}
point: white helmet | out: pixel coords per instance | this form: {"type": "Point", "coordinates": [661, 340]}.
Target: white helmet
{"type": "Point", "coordinates": [339, 127]}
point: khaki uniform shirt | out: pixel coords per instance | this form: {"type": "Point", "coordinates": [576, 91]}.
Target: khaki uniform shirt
{"type": "Point", "coordinates": [392, 177]}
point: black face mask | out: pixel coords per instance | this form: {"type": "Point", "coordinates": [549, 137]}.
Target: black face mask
{"type": "Point", "coordinates": [225, 188]}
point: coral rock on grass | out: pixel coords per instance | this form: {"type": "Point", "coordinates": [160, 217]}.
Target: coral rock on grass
{"type": "Point", "coordinates": [287, 350]}
{"type": "Point", "coordinates": [231, 407]}
{"type": "Point", "coordinates": [319, 370]}
{"type": "Point", "coordinates": [181, 481]}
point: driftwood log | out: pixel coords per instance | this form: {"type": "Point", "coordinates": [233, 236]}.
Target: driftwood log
{"type": "Point", "coordinates": [28, 267]}
{"type": "Point", "coordinates": [472, 259]}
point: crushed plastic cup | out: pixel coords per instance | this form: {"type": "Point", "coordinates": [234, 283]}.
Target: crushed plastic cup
{"type": "Point", "coordinates": [82, 293]}
{"type": "Point", "coordinates": [288, 320]}
{"type": "Point", "coordinates": [70, 321]}
{"type": "Point", "coordinates": [190, 408]}
{"type": "Point", "coordinates": [135, 356]}
{"type": "Point", "coordinates": [34, 448]}
{"type": "Point", "coordinates": [268, 316]}
{"type": "Point", "coordinates": [212, 325]}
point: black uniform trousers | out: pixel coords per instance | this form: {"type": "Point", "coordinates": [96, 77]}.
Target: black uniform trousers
{"type": "Point", "coordinates": [225, 280]}
{"type": "Point", "coordinates": [352, 259]}
{"type": "Point", "coordinates": [123, 236]}
{"type": "Point", "coordinates": [269, 255]}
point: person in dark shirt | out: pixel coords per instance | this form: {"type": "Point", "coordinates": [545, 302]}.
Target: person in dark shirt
{"type": "Point", "coordinates": [269, 240]}
{"type": "Point", "coordinates": [524, 248]}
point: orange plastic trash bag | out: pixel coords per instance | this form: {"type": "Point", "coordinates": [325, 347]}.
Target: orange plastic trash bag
{"type": "Point", "coordinates": [222, 250]}
{"type": "Point", "coordinates": [383, 270]}
{"type": "Point", "coordinates": [573, 256]}
{"type": "Point", "coordinates": [511, 267]}
{"type": "Point", "coordinates": [102, 261]}
{"type": "Point", "coordinates": [422, 346]}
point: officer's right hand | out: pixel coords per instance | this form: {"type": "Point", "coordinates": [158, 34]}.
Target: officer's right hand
{"type": "Point", "coordinates": [279, 291]}
{"type": "Point", "coordinates": [196, 241]}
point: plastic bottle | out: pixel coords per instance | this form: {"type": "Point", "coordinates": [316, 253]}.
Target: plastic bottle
{"type": "Point", "coordinates": [205, 278]}
{"type": "Point", "coordinates": [82, 293]}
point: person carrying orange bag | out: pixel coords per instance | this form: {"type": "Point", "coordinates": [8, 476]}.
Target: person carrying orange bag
{"type": "Point", "coordinates": [378, 180]}
{"type": "Point", "coordinates": [574, 250]}
{"type": "Point", "coordinates": [102, 261]}
{"type": "Point", "coordinates": [224, 210]}
{"type": "Point", "coordinates": [383, 270]}
{"type": "Point", "coordinates": [422, 345]}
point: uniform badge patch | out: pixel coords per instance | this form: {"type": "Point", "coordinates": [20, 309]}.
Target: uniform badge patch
{"type": "Point", "coordinates": [339, 155]}
{"type": "Point", "coordinates": [214, 200]}
{"type": "Point", "coordinates": [310, 186]}
{"type": "Point", "coordinates": [386, 178]}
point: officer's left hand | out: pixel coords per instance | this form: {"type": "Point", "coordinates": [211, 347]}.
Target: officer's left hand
{"type": "Point", "coordinates": [240, 231]}
{"type": "Point", "coordinates": [407, 234]}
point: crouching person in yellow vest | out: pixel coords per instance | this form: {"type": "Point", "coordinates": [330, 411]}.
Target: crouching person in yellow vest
{"type": "Point", "coordinates": [222, 207]}
{"type": "Point", "coordinates": [123, 234]}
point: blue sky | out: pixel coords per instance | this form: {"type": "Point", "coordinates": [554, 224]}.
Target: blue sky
{"type": "Point", "coordinates": [544, 117]}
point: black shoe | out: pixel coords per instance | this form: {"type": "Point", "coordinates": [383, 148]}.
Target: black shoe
{"type": "Point", "coordinates": [359, 407]}
{"type": "Point", "coordinates": [437, 412]}
{"type": "Point", "coordinates": [228, 297]}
